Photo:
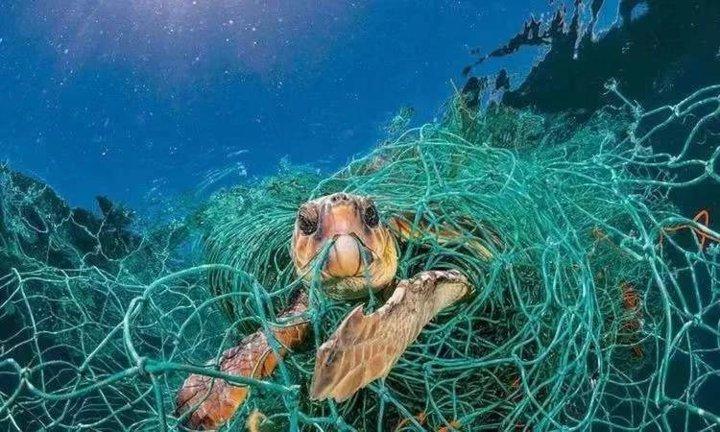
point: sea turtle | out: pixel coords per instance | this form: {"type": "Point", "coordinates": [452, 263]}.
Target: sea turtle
{"type": "Point", "coordinates": [360, 255]}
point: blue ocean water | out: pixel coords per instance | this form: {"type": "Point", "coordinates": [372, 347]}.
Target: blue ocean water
{"type": "Point", "coordinates": [145, 100]}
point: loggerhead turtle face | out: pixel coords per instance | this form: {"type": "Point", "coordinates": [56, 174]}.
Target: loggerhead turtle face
{"type": "Point", "coordinates": [363, 253]}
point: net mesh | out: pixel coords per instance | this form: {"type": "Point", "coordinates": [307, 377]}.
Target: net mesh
{"type": "Point", "coordinates": [598, 309]}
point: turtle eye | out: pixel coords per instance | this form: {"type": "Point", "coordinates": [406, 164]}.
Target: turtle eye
{"type": "Point", "coordinates": [307, 220]}
{"type": "Point", "coordinates": [370, 216]}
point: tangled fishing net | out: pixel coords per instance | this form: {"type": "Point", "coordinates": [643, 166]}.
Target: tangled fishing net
{"type": "Point", "coordinates": [598, 309]}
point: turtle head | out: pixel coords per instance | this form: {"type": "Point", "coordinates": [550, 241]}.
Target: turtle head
{"type": "Point", "coordinates": [361, 253]}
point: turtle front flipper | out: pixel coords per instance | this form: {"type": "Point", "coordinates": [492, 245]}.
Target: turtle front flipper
{"type": "Point", "coordinates": [213, 401]}
{"type": "Point", "coordinates": [365, 347]}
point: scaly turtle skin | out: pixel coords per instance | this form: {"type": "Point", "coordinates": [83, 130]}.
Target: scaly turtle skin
{"type": "Point", "coordinates": [362, 257]}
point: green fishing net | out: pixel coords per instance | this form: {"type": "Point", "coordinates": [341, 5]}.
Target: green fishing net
{"type": "Point", "coordinates": [599, 307]}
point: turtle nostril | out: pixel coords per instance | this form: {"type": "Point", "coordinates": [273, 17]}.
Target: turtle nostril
{"type": "Point", "coordinates": [339, 197]}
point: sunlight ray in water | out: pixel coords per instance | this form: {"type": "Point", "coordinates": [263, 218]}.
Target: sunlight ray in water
{"type": "Point", "coordinates": [171, 34]}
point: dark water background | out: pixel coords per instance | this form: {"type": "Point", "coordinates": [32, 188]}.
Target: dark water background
{"type": "Point", "coordinates": [146, 100]}
{"type": "Point", "coordinates": [143, 102]}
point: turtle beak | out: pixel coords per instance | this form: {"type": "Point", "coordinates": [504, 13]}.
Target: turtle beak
{"type": "Point", "coordinates": [345, 258]}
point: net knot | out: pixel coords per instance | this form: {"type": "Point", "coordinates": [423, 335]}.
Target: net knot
{"type": "Point", "coordinates": [383, 393]}
{"type": "Point", "coordinates": [427, 369]}
{"type": "Point", "coordinates": [142, 366]}
{"type": "Point", "coordinates": [697, 319]}
{"type": "Point", "coordinates": [292, 396]}
{"type": "Point", "coordinates": [340, 423]}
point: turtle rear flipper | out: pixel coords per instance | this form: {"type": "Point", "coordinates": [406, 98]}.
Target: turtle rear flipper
{"type": "Point", "coordinates": [365, 347]}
